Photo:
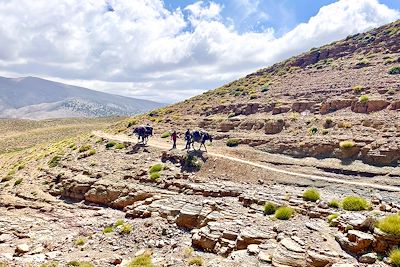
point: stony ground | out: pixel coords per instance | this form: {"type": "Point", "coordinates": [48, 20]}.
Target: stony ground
{"type": "Point", "coordinates": [213, 215]}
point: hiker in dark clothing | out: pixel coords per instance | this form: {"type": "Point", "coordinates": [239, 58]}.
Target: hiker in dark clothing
{"type": "Point", "coordinates": [188, 139]}
{"type": "Point", "coordinates": [173, 137]}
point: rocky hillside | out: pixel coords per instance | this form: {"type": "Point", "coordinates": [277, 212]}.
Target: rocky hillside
{"type": "Point", "coordinates": [307, 105]}
{"type": "Point", "coordinates": [94, 201]}
{"type": "Point", "coordinates": [35, 98]}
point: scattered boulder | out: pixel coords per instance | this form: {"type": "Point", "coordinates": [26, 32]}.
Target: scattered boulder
{"type": "Point", "coordinates": [274, 126]}
{"type": "Point", "coordinates": [22, 249]}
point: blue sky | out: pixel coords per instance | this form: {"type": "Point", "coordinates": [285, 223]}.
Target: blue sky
{"type": "Point", "coordinates": [281, 15]}
{"type": "Point", "coordinates": [168, 50]}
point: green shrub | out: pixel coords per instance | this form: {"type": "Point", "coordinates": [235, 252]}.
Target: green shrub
{"type": "Point", "coordinates": [284, 213]}
{"type": "Point", "coordinates": [334, 204]}
{"type": "Point", "coordinates": [80, 241]}
{"type": "Point", "coordinates": [358, 88]}
{"type": "Point", "coordinates": [395, 257]}
{"type": "Point", "coordinates": [332, 217]}
{"type": "Point", "coordinates": [108, 229]}
{"type": "Point", "coordinates": [390, 224]}
{"type": "Point", "coordinates": [119, 146]}
{"type": "Point", "coordinates": [198, 261]}
{"type": "Point", "coordinates": [119, 222]}
{"type": "Point", "coordinates": [345, 125]}
{"type": "Point", "coordinates": [18, 182]}
{"type": "Point", "coordinates": [111, 144]}
{"type": "Point", "coordinates": [311, 195]}
{"type": "Point", "coordinates": [253, 96]}
{"type": "Point", "coordinates": [73, 146]}
{"type": "Point", "coordinates": [166, 135]}
{"type": "Point", "coordinates": [156, 168]}
{"type": "Point", "coordinates": [85, 148]}
{"type": "Point", "coordinates": [80, 264]}
{"type": "Point", "coordinates": [232, 142]}
{"type": "Point", "coordinates": [187, 252]}
{"type": "Point", "coordinates": [155, 175]}
{"type": "Point", "coordinates": [394, 70]}
{"type": "Point", "coordinates": [270, 208]}
{"type": "Point", "coordinates": [346, 144]}
{"type": "Point", "coordinates": [141, 261]}
{"type": "Point", "coordinates": [126, 228]}
{"type": "Point", "coordinates": [92, 152]}
{"type": "Point", "coordinates": [354, 203]}
{"type": "Point", "coordinates": [363, 99]}
{"type": "Point", "coordinates": [313, 130]}
{"type": "Point", "coordinates": [54, 161]}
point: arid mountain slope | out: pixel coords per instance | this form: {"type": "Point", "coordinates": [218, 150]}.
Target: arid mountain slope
{"type": "Point", "coordinates": [305, 106]}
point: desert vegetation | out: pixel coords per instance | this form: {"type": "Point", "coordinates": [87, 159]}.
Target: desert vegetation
{"type": "Point", "coordinates": [232, 142]}
{"type": "Point", "coordinates": [390, 224]}
{"type": "Point", "coordinates": [354, 203]}
{"type": "Point", "coordinates": [284, 213]}
{"type": "Point", "coordinates": [270, 208]}
{"type": "Point", "coordinates": [346, 144]}
{"type": "Point", "coordinates": [141, 261]}
{"type": "Point", "coordinates": [394, 256]}
{"type": "Point", "coordinates": [311, 194]}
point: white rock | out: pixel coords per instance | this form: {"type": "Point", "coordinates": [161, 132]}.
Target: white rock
{"type": "Point", "coordinates": [22, 248]}
{"type": "Point", "coordinates": [253, 249]}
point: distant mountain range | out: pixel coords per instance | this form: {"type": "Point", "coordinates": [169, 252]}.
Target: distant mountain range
{"type": "Point", "coordinates": [35, 98]}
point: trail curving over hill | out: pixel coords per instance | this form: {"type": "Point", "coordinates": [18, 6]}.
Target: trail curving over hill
{"type": "Point", "coordinates": [157, 144]}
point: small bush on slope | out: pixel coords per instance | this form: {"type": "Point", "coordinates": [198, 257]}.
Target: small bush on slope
{"type": "Point", "coordinates": [198, 261]}
{"type": "Point", "coordinates": [284, 213]}
{"type": "Point", "coordinates": [390, 224]}
{"type": "Point", "coordinates": [354, 203]}
{"type": "Point", "coordinates": [85, 148]}
{"type": "Point", "coordinates": [346, 144]}
{"type": "Point", "coordinates": [232, 142]}
{"type": "Point", "coordinates": [394, 70]}
{"type": "Point", "coordinates": [155, 175]}
{"type": "Point", "coordinates": [395, 257]}
{"type": "Point", "coordinates": [54, 161]}
{"type": "Point", "coordinates": [311, 195]}
{"type": "Point", "coordinates": [334, 204]}
{"type": "Point", "coordinates": [270, 208]}
{"type": "Point", "coordinates": [156, 168]}
{"type": "Point", "coordinates": [141, 261]}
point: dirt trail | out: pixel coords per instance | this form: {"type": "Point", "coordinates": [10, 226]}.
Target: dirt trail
{"type": "Point", "coordinates": [212, 152]}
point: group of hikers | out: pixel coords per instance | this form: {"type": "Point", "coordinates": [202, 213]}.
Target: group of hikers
{"type": "Point", "coordinates": [198, 136]}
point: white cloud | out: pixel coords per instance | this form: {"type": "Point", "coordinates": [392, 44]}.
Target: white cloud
{"type": "Point", "coordinates": [142, 49]}
{"type": "Point", "coordinates": [201, 11]}
{"type": "Point", "coordinates": [249, 8]}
